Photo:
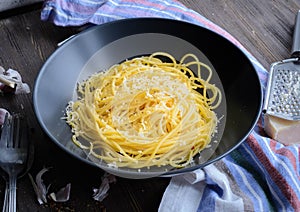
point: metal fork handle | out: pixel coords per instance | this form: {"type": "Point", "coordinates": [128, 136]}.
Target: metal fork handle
{"type": "Point", "coordinates": [5, 203]}
{"type": "Point", "coordinates": [12, 197]}
{"type": "Point", "coordinates": [9, 204]}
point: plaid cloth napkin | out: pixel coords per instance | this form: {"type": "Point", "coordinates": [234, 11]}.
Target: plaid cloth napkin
{"type": "Point", "coordinates": [260, 175]}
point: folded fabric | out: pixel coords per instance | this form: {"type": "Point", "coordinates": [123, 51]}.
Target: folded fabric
{"type": "Point", "coordinates": [260, 175]}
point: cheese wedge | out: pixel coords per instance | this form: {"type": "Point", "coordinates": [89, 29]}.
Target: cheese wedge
{"type": "Point", "coordinates": [284, 131]}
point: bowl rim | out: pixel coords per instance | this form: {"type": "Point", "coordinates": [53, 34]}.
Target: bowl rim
{"type": "Point", "coordinates": [144, 19]}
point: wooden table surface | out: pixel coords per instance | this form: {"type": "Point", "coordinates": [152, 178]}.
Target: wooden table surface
{"type": "Point", "coordinates": [264, 27]}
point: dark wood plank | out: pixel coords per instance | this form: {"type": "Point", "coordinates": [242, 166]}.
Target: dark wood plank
{"type": "Point", "coordinates": [263, 27]}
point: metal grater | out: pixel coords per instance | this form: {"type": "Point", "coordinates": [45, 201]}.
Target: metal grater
{"type": "Point", "coordinates": [283, 90]}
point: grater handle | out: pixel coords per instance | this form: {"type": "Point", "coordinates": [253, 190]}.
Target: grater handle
{"type": "Point", "coordinates": [296, 38]}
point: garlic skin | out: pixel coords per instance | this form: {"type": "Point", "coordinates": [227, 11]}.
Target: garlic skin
{"type": "Point", "coordinates": [15, 77]}
{"type": "Point", "coordinates": [39, 187]}
{"type": "Point", "coordinates": [41, 190]}
{"type": "Point", "coordinates": [62, 195]}
{"type": "Point", "coordinates": [102, 192]}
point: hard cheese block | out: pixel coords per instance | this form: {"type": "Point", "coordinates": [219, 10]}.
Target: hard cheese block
{"type": "Point", "coordinates": [284, 131]}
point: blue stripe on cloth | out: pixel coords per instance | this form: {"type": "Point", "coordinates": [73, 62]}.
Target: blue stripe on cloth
{"type": "Point", "coordinates": [273, 196]}
{"type": "Point", "coordinates": [218, 194]}
{"type": "Point", "coordinates": [281, 163]}
{"type": "Point", "coordinates": [248, 184]}
{"type": "Point", "coordinates": [278, 180]}
{"type": "Point", "coordinates": [261, 176]}
{"type": "Point", "coordinates": [208, 199]}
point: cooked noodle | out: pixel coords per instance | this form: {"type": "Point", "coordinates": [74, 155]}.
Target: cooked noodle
{"type": "Point", "coordinates": [145, 112]}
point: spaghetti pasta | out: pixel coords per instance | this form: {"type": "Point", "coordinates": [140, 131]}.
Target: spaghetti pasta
{"type": "Point", "coordinates": [146, 112]}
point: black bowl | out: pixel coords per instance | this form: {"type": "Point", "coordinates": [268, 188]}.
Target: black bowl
{"type": "Point", "coordinates": [99, 47]}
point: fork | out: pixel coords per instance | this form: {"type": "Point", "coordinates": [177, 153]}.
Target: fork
{"type": "Point", "coordinates": [14, 154]}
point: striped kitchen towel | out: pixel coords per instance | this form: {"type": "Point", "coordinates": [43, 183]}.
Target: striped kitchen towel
{"type": "Point", "coordinates": [260, 175]}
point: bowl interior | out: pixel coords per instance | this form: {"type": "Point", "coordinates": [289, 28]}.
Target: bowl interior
{"type": "Point", "coordinates": [102, 46]}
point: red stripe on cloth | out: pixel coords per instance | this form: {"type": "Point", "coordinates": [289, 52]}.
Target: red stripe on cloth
{"type": "Point", "coordinates": [146, 3]}
{"type": "Point", "coordinates": [276, 176]}
{"type": "Point", "coordinates": [284, 152]}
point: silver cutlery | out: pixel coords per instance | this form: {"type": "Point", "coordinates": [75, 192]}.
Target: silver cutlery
{"type": "Point", "coordinates": [15, 156]}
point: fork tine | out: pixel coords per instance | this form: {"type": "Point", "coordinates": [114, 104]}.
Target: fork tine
{"type": "Point", "coordinates": [23, 137]}
{"type": "Point", "coordinates": [10, 141]}
{"type": "Point", "coordinates": [5, 134]}
{"type": "Point", "coordinates": [16, 129]}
